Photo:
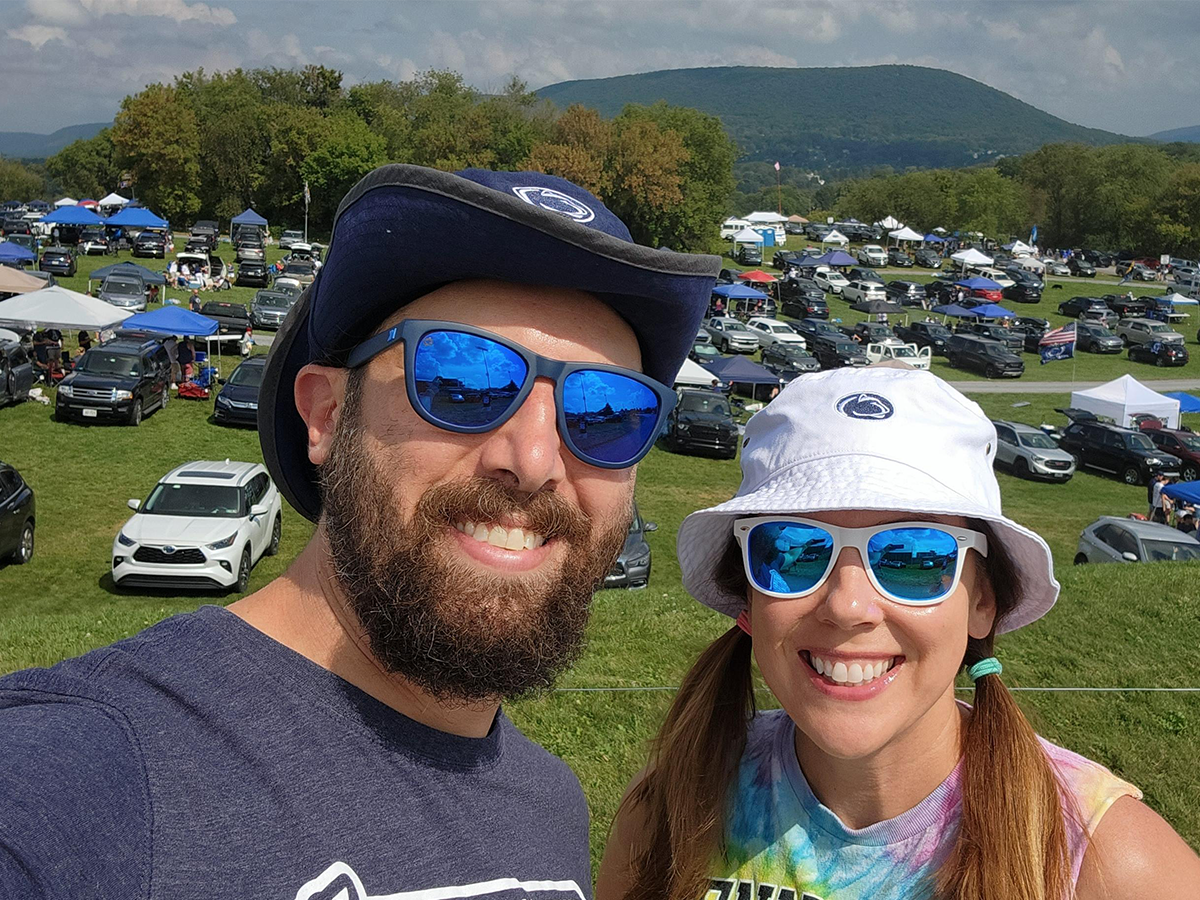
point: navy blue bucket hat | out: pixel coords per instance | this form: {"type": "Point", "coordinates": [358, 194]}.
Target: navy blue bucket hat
{"type": "Point", "coordinates": [403, 231]}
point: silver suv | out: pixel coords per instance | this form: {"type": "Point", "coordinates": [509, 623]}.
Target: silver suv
{"type": "Point", "coordinates": [730, 335]}
{"type": "Point", "coordinates": [1031, 453]}
{"type": "Point", "coordinates": [1113, 539]}
{"type": "Point", "coordinates": [1147, 331]}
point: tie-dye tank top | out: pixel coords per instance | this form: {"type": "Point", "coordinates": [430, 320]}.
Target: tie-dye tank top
{"type": "Point", "coordinates": [783, 844]}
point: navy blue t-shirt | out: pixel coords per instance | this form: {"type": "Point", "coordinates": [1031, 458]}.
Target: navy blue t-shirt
{"type": "Point", "coordinates": [202, 760]}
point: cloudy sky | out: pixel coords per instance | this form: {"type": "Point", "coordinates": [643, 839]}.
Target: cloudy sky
{"type": "Point", "coordinates": [1124, 66]}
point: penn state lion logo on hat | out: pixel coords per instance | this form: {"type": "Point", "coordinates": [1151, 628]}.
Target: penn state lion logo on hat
{"type": "Point", "coordinates": [865, 406]}
{"type": "Point", "coordinates": [556, 201]}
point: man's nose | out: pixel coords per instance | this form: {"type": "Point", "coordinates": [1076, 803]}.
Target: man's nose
{"type": "Point", "coordinates": [526, 452]}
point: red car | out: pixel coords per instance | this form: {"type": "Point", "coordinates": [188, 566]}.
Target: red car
{"type": "Point", "coordinates": [991, 295]}
{"type": "Point", "coordinates": [1183, 444]}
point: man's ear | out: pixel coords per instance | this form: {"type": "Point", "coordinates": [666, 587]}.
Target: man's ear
{"type": "Point", "coordinates": [320, 392]}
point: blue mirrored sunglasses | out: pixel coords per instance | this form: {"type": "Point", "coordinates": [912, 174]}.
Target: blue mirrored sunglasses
{"type": "Point", "coordinates": [471, 381]}
{"type": "Point", "coordinates": [911, 563]}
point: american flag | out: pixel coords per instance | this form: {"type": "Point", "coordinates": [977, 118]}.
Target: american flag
{"type": "Point", "coordinates": [1058, 343]}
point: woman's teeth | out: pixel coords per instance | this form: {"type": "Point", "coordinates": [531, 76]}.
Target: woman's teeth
{"type": "Point", "coordinates": [860, 672]}
{"type": "Point", "coordinates": [499, 536]}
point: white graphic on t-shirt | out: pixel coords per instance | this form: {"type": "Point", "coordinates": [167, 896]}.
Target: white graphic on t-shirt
{"type": "Point", "coordinates": [340, 882]}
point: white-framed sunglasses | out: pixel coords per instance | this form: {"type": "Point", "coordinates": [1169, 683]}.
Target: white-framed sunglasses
{"type": "Point", "coordinates": [910, 563]}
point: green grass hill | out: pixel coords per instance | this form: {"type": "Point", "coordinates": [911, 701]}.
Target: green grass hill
{"type": "Point", "coordinates": [843, 119]}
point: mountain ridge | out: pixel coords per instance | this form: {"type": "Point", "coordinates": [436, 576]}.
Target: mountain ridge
{"type": "Point", "coordinates": [30, 145]}
{"type": "Point", "coordinates": [1190, 134]}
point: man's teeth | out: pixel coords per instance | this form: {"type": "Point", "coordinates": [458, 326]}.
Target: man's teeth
{"type": "Point", "coordinates": [852, 673]}
{"type": "Point", "coordinates": [499, 536]}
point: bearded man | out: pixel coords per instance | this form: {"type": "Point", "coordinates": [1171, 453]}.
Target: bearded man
{"type": "Point", "coordinates": [459, 402]}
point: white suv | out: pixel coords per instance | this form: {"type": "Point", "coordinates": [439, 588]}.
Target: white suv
{"type": "Point", "coordinates": [771, 331]}
{"type": "Point", "coordinates": [860, 291]}
{"type": "Point", "coordinates": [872, 255]}
{"type": "Point", "coordinates": [203, 526]}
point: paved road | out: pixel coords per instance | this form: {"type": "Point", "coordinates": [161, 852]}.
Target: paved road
{"type": "Point", "coordinates": [1019, 386]}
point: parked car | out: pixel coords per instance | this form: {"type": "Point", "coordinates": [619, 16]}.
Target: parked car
{"type": "Point", "coordinates": [1146, 331]}
{"type": "Point", "coordinates": [927, 259]}
{"type": "Point", "coordinates": [1096, 338]}
{"type": "Point", "coordinates": [1080, 268]}
{"type": "Point", "coordinates": [749, 254]}
{"type": "Point", "coordinates": [701, 423]}
{"type": "Point", "coordinates": [897, 257]}
{"type": "Point", "coordinates": [237, 400]}
{"type": "Point", "coordinates": [632, 568]}
{"type": "Point", "coordinates": [207, 233]}
{"type": "Point", "coordinates": [204, 526]}
{"type": "Point", "coordinates": [1137, 271]}
{"type": "Point", "coordinates": [1031, 329]}
{"type": "Point", "coordinates": [289, 237]}
{"type": "Point", "coordinates": [702, 336]}
{"type": "Point", "coordinates": [1056, 267]}
{"type": "Point", "coordinates": [150, 245]}
{"type": "Point", "coordinates": [1031, 453]}
{"type": "Point", "coordinates": [997, 275]}
{"type": "Point", "coordinates": [1026, 287]}
{"type": "Point", "coordinates": [1123, 452]}
{"type": "Point", "coordinates": [772, 331]}
{"type": "Point", "coordinates": [802, 299]}
{"type": "Point", "coordinates": [249, 246]}
{"type": "Point", "coordinates": [991, 358]}
{"type": "Point", "coordinates": [704, 353]}
{"type": "Point", "coordinates": [858, 291]}
{"type": "Point", "coordinates": [788, 360]}
{"type": "Point", "coordinates": [729, 276]}
{"type": "Point", "coordinates": [829, 280]}
{"type": "Point", "coordinates": [783, 258]}
{"type": "Point", "coordinates": [303, 270]}
{"type": "Point", "coordinates": [1013, 340]}
{"type": "Point", "coordinates": [864, 273]}
{"type": "Point", "coordinates": [16, 373]}
{"type": "Point", "coordinates": [1097, 258]}
{"type": "Point", "coordinates": [896, 349]}
{"type": "Point", "coordinates": [839, 354]}
{"type": "Point", "coordinates": [1160, 353]}
{"type": "Point", "coordinates": [269, 308]}
{"type": "Point", "coordinates": [93, 240]}
{"type": "Point", "coordinates": [906, 293]}
{"type": "Point", "coordinates": [730, 335]}
{"type": "Point", "coordinates": [126, 291]}
{"type": "Point", "coordinates": [933, 335]}
{"type": "Point", "coordinates": [59, 261]}
{"type": "Point", "coordinates": [1185, 445]}
{"type": "Point", "coordinates": [18, 516]}
{"type": "Point", "coordinates": [816, 330]}
{"type": "Point", "coordinates": [1074, 307]}
{"type": "Point", "coordinates": [1127, 306]}
{"type": "Point", "coordinates": [232, 318]}
{"type": "Point", "coordinates": [1115, 540]}
{"type": "Point", "coordinates": [868, 332]}
{"type": "Point", "coordinates": [119, 380]}
{"type": "Point", "coordinates": [872, 255]}
{"type": "Point", "coordinates": [253, 274]}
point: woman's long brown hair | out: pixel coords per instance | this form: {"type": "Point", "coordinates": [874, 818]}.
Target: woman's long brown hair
{"type": "Point", "coordinates": [1012, 839]}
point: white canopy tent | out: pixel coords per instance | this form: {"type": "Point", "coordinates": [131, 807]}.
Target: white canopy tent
{"type": "Point", "coordinates": [835, 237]}
{"type": "Point", "coordinates": [6, 335]}
{"type": "Point", "coordinates": [57, 307]}
{"type": "Point", "coordinates": [1177, 299]}
{"type": "Point", "coordinates": [692, 374]}
{"type": "Point", "coordinates": [66, 201]}
{"type": "Point", "coordinates": [748, 236]}
{"type": "Point", "coordinates": [1030, 263]}
{"type": "Point", "coordinates": [1124, 398]}
{"type": "Point", "coordinates": [1018, 248]}
{"type": "Point", "coordinates": [765, 218]}
{"type": "Point", "coordinates": [971, 257]}
{"type": "Point", "coordinates": [906, 234]}
{"type": "Point", "coordinates": [113, 199]}
{"type": "Point", "coordinates": [889, 223]}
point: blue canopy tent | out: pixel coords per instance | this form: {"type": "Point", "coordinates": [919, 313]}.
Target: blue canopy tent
{"type": "Point", "coordinates": [953, 309]}
{"type": "Point", "coordinates": [248, 219]}
{"type": "Point", "coordinates": [73, 215]}
{"type": "Point", "coordinates": [933, 239]}
{"type": "Point", "coordinates": [136, 217]}
{"type": "Point", "coordinates": [837, 258]}
{"type": "Point", "coordinates": [993, 311]}
{"type": "Point", "coordinates": [1187, 491]}
{"type": "Point", "coordinates": [1187, 403]}
{"type": "Point", "coordinates": [172, 320]}
{"type": "Point", "coordinates": [128, 268]}
{"type": "Point", "coordinates": [807, 262]}
{"type": "Point", "coordinates": [978, 283]}
{"type": "Point", "coordinates": [738, 292]}
{"type": "Point", "coordinates": [10, 252]}
{"type": "Point", "coordinates": [739, 370]}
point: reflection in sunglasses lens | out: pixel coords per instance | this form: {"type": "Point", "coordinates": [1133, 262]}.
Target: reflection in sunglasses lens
{"type": "Point", "coordinates": [610, 417]}
{"type": "Point", "coordinates": [914, 563]}
{"type": "Point", "coordinates": [466, 380]}
{"type": "Point", "coordinates": [788, 557]}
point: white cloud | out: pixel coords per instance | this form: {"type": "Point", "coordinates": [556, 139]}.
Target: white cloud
{"type": "Point", "coordinates": [80, 12]}
{"type": "Point", "coordinates": [37, 36]}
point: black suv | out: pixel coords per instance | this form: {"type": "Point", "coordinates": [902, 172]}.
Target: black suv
{"type": "Point", "coordinates": [18, 514]}
{"type": "Point", "coordinates": [1096, 338]}
{"type": "Point", "coordinates": [119, 380]}
{"type": "Point", "coordinates": [58, 260]}
{"type": "Point", "coordinates": [993, 359]}
{"type": "Point", "coordinates": [701, 423]}
{"type": "Point", "coordinates": [928, 259]}
{"type": "Point", "coordinates": [1127, 307]}
{"type": "Point", "coordinates": [749, 254]}
{"type": "Point", "coordinates": [788, 361]}
{"type": "Point", "coordinates": [1081, 269]}
{"type": "Point", "coordinates": [934, 335]}
{"type": "Point", "coordinates": [237, 401]}
{"type": "Point", "coordinates": [897, 257]}
{"type": "Point", "coordinates": [906, 293]}
{"type": "Point", "coordinates": [868, 332]}
{"type": "Point", "coordinates": [814, 331]}
{"type": "Point", "coordinates": [205, 232]}
{"type": "Point", "coordinates": [1031, 329]}
{"type": "Point", "coordinates": [1124, 452]}
{"type": "Point", "coordinates": [1026, 288]}
{"type": "Point", "coordinates": [16, 373]}
{"type": "Point", "coordinates": [839, 354]}
{"type": "Point", "coordinates": [232, 318]}
{"type": "Point", "coordinates": [864, 273]}
{"type": "Point", "coordinates": [1077, 306]}
{"type": "Point", "coordinates": [802, 299]}
{"type": "Point", "coordinates": [1159, 353]}
{"type": "Point", "coordinates": [252, 273]}
{"type": "Point", "coordinates": [1013, 340]}
{"type": "Point", "coordinates": [150, 244]}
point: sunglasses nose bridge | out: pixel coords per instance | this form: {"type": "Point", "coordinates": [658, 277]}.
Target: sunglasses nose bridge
{"type": "Point", "coordinates": [526, 451]}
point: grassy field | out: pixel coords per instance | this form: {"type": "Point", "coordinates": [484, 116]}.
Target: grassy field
{"type": "Point", "coordinates": [1123, 626]}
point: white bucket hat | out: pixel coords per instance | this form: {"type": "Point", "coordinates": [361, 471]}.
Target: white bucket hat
{"type": "Point", "coordinates": [871, 438]}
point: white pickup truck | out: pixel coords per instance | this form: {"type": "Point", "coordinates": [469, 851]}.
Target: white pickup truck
{"type": "Point", "coordinates": [917, 357]}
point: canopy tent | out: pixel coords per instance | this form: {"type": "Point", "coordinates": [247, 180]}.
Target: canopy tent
{"type": "Point", "coordinates": [953, 309]}
{"type": "Point", "coordinates": [14, 281]}
{"type": "Point", "coordinates": [136, 217]}
{"type": "Point", "coordinates": [65, 201]}
{"type": "Point", "coordinates": [978, 283]}
{"type": "Point", "coordinates": [738, 292]}
{"type": "Point", "coordinates": [694, 375]}
{"type": "Point", "coordinates": [1187, 403]}
{"type": "Point", "coordinates": [173, 320]}
{"type": "Point", "coordinates": [932, 238]}
{"type": "Point", "coordinates": [971, 257]}
{"type": "Point", "coordinates": [805, 262]}
{"type": "Point", "coordinates": [875, 307]}
{"type": "Point", "coordinates": [113, 199]}
{"type": "Point", "coordinates": [889, 223]}
{"type": "Point", "coordinates": [765, 218]}
{"type": "Point", "coordinates": [837, 258]}
{"type": "Point", "coordinates": [60, 308]}
{"type": "Point", "coordinates": [1031, 263]}
{"type": "Point", "coordinates": [1176, 299]}
{"type": "Point", "coordinates": [835, 237]}
{"type": "Point", "coordinates": [798, 220]}
{"type": "Point", "coordinates": [249, 217]}
{"type": "Point", "coordinates": [940, 230]}
{"type": "Point", "coordinates": [993, 311]}
{"type": "Point", "coordinates": [906, 234]}
{"type": "Point", "coordinates": [738, 369]}
{"type": "Point", "coordinates": [6, 335]}
{"type": "Point", "coordinates": [88, 203]}
{"type": "Point", "coordinates": [1120, 400]}
{"type": "Point", "coordinates": [72, 215]}
{"type": "Point", "coordinates": [128, 268]}
{"type": "Point", "coordinates": [758, 276]}
{"type": "Point", "coordinates": [1017, 248]}
{"type": "Point", "coordinates": [747, 236]}
{"type": "Point", "coordinates": [1187, 491]}
{"type": "Point", "coordinates": [10, 252]}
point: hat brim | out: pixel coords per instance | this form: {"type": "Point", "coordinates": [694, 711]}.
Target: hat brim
{"type": "Point", "coordinates": [401, 245]}
{"type": "Point", "coordinates": [850, 482]}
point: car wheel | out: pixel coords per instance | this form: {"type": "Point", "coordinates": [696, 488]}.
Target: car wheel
{"type": "Point", "coordinates": [276, 533]}
{"type": "Point", "coordinates": [1158, 361]}
{"type": "Point", "coordinates": [1131, 475]}
{"type": "Point", "coordinates": [1189, 473]}
{"type": "Point", "coordinates": [991, 372]}
{"type": "Point", "coordinates": [24, 551]}
{"type": "Point", "coordinates": [135, 414]}
{"type": "Point", "coordinates": [1080, 559]}
{"type": "Point", "coordinates": [953, 360]}
{"type": "Point", "coordinates": [1021, 467]}
{"type": "Point", "coordinates": [243, 580]}
{"type": "Point", "coordinates": [166, 396]}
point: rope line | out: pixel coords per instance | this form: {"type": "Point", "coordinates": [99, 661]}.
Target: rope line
{"type": "Point", "coordinates": [1031, 690]}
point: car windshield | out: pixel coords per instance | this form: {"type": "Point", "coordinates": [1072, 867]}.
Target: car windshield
{"type": "Point", "coordinates": [1036, 440]}
{"type": "Point", "coordinates": [733, 326]}
{"type": "Point", "coordinates": [299, 268]}
{"type": "Point", "coordinates": [97, 362]}
{"type": "Point", "coordinates": [1138, 442]}
{"type": "Point", "coordinates": [793, 354]}
{"type": "Point", "coordinates": [203, 500]}
{"type": "Point", "coordinates": [1173, 551]}
{"type": "Point", "coordinates": [996, 350]}
{"type": "Point", "coordinates": [715, 404]}
{"type": "Point", "coordinates": [846, 348]}
{"type": "Point", "coordinates": [706, 350]}
{"type": "Point", "coordinates": [1158, 328]}
{"type": "Point", "coordinates": [1191, 441]}
{"type": "Point", "coordinates": [122, 286]}
{"type": "Point", "coordinates": [281, 301]}
{"type": "Point", "coordinates": [229, 310]}
{"type": "Point", "coordinates": [247, 376]}
{"type": "Point", "coordinates": [780, 328]}
{"type": "Point", "coordinates": [293, 234]}
{"type": "Point", "coordinates": [937, 331]}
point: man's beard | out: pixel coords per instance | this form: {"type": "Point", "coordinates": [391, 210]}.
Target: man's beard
{"type": "Point", "coordinates": [430, 616]}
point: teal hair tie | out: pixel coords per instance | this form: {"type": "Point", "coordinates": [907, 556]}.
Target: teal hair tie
{"type": "Point", "coordinates": [989, 666]}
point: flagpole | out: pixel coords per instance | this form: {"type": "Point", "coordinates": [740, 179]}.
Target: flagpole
{"type": "Point", "coordinates": [778, 190]}
{"type": "Point", "coordinates": [306, 199]}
